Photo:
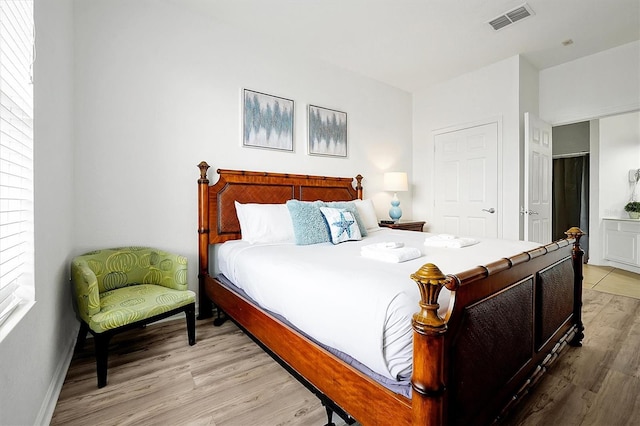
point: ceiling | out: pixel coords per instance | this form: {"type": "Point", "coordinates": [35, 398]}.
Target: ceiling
{"type": "Point", "coordinates": [412, 44]}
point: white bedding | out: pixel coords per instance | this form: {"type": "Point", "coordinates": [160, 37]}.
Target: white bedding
{"type": "Point", "coordinates": [360, 306]}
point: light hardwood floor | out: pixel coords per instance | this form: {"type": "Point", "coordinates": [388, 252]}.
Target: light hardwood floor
{"type": "Point", "coordinates": [612, 280]}
{"type": "Point", "coordinates": [599, 383]}
{"type": "Point", "coordinates": [156, 378]}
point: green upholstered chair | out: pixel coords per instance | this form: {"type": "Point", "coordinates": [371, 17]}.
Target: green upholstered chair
{"type": "Point", "coordinates": [123, 288]}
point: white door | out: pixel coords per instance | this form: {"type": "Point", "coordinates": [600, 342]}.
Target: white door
{"type": "Point", "coordinates": [538, 179]}
{"type": "Point", "coordinates": [466, 182]}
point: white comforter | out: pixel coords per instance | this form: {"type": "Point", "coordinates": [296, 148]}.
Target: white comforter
{"type": "Point", "coordinates": [360, 306]}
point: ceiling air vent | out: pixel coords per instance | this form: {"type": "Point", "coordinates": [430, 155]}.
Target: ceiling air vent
{"type": "Point", "coordinates": [511, 16]}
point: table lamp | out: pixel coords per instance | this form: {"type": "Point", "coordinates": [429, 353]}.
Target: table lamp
{"type": "Point", "coordinates": [396, 182]}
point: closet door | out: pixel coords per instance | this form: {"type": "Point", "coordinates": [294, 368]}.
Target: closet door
{"type": "Point", "coordinates": [466, 182]}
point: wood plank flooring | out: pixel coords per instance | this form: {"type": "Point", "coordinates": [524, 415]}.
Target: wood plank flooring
{"type": "Point", "coordinates": [599, 383]}
{"type": "Point", "coordinates": [612, 280]}
{"type": "Point", "coordinates": [156, 378]}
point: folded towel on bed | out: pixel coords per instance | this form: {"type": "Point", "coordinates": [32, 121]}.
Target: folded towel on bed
{"type": "Point", "coordinates": [390, 252]}
{"type": "Point", "coordinates": [449, 241]}
{"type": "Point", "coordinates": [444, 237]}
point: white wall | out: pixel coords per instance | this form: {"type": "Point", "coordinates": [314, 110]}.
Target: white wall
{"type": "Point", "coordinates": [606, 83]}
{"type": "Point", "coordinates": [528, 98]}
{"type": "Point", "coordinates": [158, 89]}
{"type": "Point", "coordinates": [486, 95]}
{"type": "Point", "coordinates": [617, 144]}
{"type": "Point", "coordinates": [619, 152]}
{"type": "Point", "coordinates": [35, 355]}
{"type": "Point", "coordinates": [595, 86]}
{"type": "Point", "coordinates": [571, 138]}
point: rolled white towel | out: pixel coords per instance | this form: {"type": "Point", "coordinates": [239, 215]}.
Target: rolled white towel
{"type": "Point", "coordinates": [445, 237]}
{"type": "Point", "coordinates": [387, 253]}
{"type": "Point", "coordinates": [446, 242]}
{"type": "Point", "coordinates": [384, 245]}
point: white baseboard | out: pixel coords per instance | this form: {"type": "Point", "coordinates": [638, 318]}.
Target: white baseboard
{"type": "Point", "coordinates": [51, 398]}
{"type": "Point", "coordinates": [624, 266]}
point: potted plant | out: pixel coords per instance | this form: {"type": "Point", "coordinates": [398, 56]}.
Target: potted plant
{"type": "Point", "coordinates": [633, 208]}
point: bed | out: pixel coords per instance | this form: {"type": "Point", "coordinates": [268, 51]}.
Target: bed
{"type": "Point", "coordinates": [505, 321]}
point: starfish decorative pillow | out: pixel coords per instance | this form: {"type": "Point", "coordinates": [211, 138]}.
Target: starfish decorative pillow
{"type": "Point", "coordinates": [342, 225]}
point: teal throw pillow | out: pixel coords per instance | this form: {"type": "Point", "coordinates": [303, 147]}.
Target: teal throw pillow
{"type": "Point", "coordinates": [308, 223]}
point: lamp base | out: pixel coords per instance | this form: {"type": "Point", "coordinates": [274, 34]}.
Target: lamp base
{"type": "Point", "coordinates": [395, 212]}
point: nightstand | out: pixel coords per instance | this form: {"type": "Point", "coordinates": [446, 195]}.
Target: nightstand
{"type": "Point", "coordinates": [405, 226]}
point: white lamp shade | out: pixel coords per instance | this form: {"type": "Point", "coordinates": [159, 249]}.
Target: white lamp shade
{"type": "Point", "coordinates": [396, 181]}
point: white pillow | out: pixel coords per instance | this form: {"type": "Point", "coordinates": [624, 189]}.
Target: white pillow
{"type": "Point", "coordinates": [367, 213]}
{"type": "Point", "coordinates": [264, 223]}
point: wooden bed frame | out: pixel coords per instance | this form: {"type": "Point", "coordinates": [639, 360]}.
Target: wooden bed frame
{"type": "Point", "coordinates": [509, 320]}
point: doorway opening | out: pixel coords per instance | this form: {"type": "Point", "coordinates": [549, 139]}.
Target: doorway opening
{"type": "Point", "coordinates": [570, 190]}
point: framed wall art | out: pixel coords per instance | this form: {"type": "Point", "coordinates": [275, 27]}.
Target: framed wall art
{"type": "Point", "coordinates": [327, 132]}
{"type": "Point", "coordinates": [267, 121]}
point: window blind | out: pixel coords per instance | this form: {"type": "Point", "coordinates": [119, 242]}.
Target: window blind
{"type": "Point", "coordinates": [16, 154]}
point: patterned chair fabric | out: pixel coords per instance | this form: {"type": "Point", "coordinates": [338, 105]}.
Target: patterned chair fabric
{"type": "Point", "coordinates": [120, 288]}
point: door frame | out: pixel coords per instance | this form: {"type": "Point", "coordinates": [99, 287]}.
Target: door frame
{"type": "Point", "coordinates": [456, 127]}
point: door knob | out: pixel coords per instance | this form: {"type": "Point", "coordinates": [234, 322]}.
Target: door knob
{"type": "Point", "coordinates": [529, 212]}
{"type": "Point", "coordinates": [491, 210]}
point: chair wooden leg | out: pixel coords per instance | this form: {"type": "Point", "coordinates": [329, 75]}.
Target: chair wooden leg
{"type": "Point", "coordinates": [190, 312]}
{"type": "Point", "coordinates": [82, 336]}
{"type": "Point", "coordinates": [102, 355]}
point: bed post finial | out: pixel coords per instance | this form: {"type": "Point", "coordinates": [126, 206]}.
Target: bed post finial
{"type": "Point", "coordinates": [577, 255]}
{"type": "Point", "coordinates": [576, 233]}
{"type": "Point", "coordinates": [429, 329]}
{"type": "Point", "coordinates": [203, 166]}
{"type": "Point", "coordinates": [430, 281]}
{"type": "Point", "coordinates": [359, 193]}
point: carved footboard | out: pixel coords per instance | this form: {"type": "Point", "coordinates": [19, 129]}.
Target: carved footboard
{"type": "Point", "coordinates": [509, 321]}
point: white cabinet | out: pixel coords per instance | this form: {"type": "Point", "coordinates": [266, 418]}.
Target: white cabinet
{"type": "Point", "coordinates": [622, 241]}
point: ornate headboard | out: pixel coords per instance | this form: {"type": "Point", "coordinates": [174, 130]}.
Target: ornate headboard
{"type": "Point", "coordinates": [217, 219]}
{"type": "Point", "coordinates": [217, 211]}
